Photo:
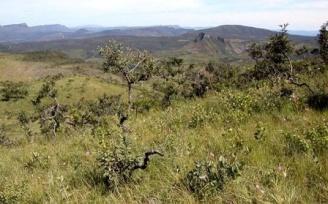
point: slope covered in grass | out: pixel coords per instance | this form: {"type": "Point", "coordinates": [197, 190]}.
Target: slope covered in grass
{"type": "Point", "coordinates": [217, 134]}
{"type": "Point", "coordinates": [234, 124]}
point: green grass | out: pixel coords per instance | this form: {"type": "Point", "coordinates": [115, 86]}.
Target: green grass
{"type": "Point", "coordinates": [188, 131]}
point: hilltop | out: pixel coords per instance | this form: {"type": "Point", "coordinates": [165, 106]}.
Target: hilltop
{"type": "Point", "coordinates": [226, 43]}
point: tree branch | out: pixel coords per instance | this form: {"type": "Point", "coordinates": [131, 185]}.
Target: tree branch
{"type": "Point", "coordinates": [301, 85]}
{"type": "Point", "coordinates": [146, 159]}
{"type": "Point", "coordinates": [137, 65]}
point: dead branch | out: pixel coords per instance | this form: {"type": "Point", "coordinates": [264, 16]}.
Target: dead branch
{"type": "Point", "coordinates": [137, 65]}
{"type": "Point", "coordinates": [292, 81]}
{"type": "Point", "coordinates": [53, 114]}
{"type": "Point", "coordinates": [146, 159]}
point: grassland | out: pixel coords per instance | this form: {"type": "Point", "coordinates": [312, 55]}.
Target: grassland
{"type": "Point", "coordinates": [248, 126]}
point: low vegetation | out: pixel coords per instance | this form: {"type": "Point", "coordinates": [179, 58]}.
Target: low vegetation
{"type": "Point", "coordinates": [151, 130]}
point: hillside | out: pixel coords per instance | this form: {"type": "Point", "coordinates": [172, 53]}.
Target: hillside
{"type": "Point", "coordinates": [224, 43]}
{"type": "Point", "coordinates": [23, 33]}
{"type": "Point", "coordinates": [235, 32]}
{"type": "Point", "coordinates": [234, 144]}
{"type": "Point", "coordinates": [245, 33]}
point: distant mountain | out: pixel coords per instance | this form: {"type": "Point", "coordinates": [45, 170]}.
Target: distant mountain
{"type": "Point", "coordinates": [243, 33]}
{"type": "Point", "coordinates": [50, 28]}
{"type": "Point", "coordinates": [24, 33]}
{"type": "Point", "coordinates": [230, 42]}
{"type": "Point", "coordinates": [226, 43]}
{"type": "Point", "coordinates": [235, 32]}
{"type": "Point", "coordinates": [155, 31]}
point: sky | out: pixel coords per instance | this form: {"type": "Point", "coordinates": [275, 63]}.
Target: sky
{"type": "Point", "coordinates": [300, 14]}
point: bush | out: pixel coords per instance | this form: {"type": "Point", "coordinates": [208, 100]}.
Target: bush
{"type": "Point", "coordinates": [117, 166]}
{"type": "Point", "coordinates": [12, 91]}
{"type": "Point", "coordinates": [200, 116]}
{"type": "Point", "coordinates": [144, 104]}
{"type": "Point", "coordinates": [318, 138]}
{"type": "Point", "coordinates": [207, 179]}
{"type": "Point", "coordinates": [90, 112]}
{"type": "Point", "coordinates": [314, 140]}
{"type": "Point", "coordinates": [47, 90]}
{"type": "Point", "coordinates": [295, 144]}
{"type": "Point", "coordinates": [12, 193]}
{"type": "Point", "coordinates": [260, 132]}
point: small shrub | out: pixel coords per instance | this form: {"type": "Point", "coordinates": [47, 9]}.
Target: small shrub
{"type": "Point", "coordinates": [47, 90]}
{"type": "Point", "coordinates": [259, 132]}
{"type": "Point", "coordinates": [12, 91]}
{"type": "Point", "coordinates": [25, 121]}
{"type": "Point", "coordinates": [318, 138]}
{"type": "Point", "coordinates": [117, 166]}
{"type": "Point", "coordinates": [295, 144]}
{"type": "Point", "coordinates": [207, 179]}
{"type": "Point", "coordinates": [143, 105]}
{"type": "Point", "coordinates": [200, 116]}
{"type": "Point", "coordinates": [90, 112]}
{"type": "Point", "coordinates": [12, 193]}
{"type": "Point", "coordinates": [107, 105]}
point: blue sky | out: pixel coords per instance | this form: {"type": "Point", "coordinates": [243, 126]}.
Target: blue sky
{"type": "Point", "coordinates": [301, 14]}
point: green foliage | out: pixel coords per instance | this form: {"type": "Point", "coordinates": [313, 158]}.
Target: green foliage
{"type": "Point", "coordinates": [47, 90]}
{"type": "Point", "coordinates": [144, 104]}
{"type": "Point", "coordinates": [200, 116]}
{"type": "Point", "coordinates": [25, 120]}
{"type": "Point", "coordinates": [92, 156]}
{"type": "Point", "coordinates": [318, 138]}
{"type": "Point", "coordinates": [117, 166]}
{"type": "Point", "coordinates": [260, 132]}
{"type": "Point", "coordinates": [279, 47]}
{"type": "Point", "coordinates": [169, 88]}
{"type": "Point", "coordinates": [255, 52]}
{"type": "Point", "coordinates": [295, 144]}
{"type": "Point", "coordinates": [272, 59]}
{"type": "Point", "coordinates": [191, 82]}
{"type": "Point", "coordinates": [323, 42]}
{"type": "Point", "coordinates": [90, 112]}
{"type": "Point", "coordinates": [174, 61]}
{"type": "Point", "coordinates": [133, 65]}
{"type": "Point", "coordinates": [207, 178]}
{"type": "Point", "coordinates": [13, 193]}
{"type": "Point", "coordinates": [12, 91]}
{"type": "Point", "coordinates": [313, 140]}
{"type": "Point", "coordinates": [107, 105]}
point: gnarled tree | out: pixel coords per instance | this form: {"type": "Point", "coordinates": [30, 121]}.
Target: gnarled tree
{"type": "Point", "coordinates": [132, 64]}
